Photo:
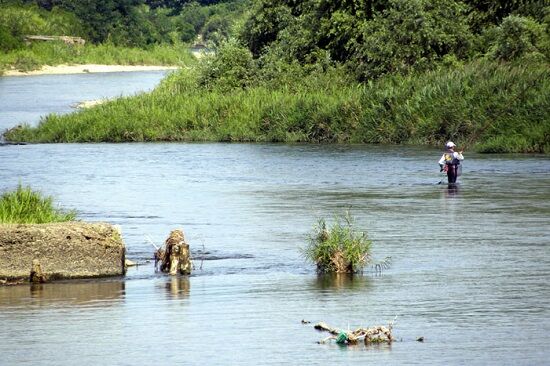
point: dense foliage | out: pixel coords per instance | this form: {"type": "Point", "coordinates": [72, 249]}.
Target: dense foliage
{"type": "Point", "coordinates": [373, 37]}
{"type": "Point", "coordinates": [361, 71]}
{"type": "Point", "coordinates": [135, 23]}
{"type": "Point", "coordinates": [25, 206]}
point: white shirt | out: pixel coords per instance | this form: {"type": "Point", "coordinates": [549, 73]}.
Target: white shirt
{"type": "Point", "coordinates": [456, 155]}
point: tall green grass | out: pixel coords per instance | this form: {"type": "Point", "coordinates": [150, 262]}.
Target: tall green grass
{"type": "Point", "coordinates": [489, 106]}
{"type": "Point", "coordinates": [20, 20]}
{"type": "Point", "coordinates": [25, 206]}
{"type": "Point", "coordinates": [56, 53]}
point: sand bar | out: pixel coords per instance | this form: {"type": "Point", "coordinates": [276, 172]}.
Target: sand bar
{"type": "Point", "coordinates": [89, 68]}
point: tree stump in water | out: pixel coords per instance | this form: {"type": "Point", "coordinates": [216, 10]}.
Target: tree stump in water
{"type": "Point", "coordinates": [175, 257]}
{"type": "Point", "coordinates": [37, 276]}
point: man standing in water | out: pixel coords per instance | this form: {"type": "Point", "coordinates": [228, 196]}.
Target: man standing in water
{"type": "Point", "coordinates": [450, 162]}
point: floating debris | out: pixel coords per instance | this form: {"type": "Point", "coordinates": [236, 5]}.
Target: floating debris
{"type": "Point", "coordinates": [129, 263]}
{"type": "Point", "coordinates": [376, 334]}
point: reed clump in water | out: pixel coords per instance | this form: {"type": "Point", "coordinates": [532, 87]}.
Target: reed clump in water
{"type": "Point", "coordinates": [338, 248]}
{"type": "Point", "coordinates": [25, 206]}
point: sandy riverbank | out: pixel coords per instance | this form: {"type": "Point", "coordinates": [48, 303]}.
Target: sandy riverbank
{"type": "Point", "coordinates": [89, 103]}
{"type": "Point", "coordinates": [89, 68]}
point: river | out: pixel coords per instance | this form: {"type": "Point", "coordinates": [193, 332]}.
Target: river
{"type": "Point", "coordinates": [470, 266]}
{"type": "Point", "coordinates": [24, 99]}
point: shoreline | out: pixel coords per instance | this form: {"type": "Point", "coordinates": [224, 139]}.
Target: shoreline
{"type": "Point", "coordinates": [87, 68]}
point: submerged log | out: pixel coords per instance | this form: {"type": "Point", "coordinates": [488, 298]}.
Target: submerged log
{"type": "Point", "coordinates": [175, 256]}
{"type": "Point", "coordinates": [45, 252]}
{"type": "Point", "coordinates": [327, 328]}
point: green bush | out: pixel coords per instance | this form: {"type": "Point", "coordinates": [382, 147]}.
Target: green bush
{"type": "Point", "coordinates": [339, 248]}
{"type": "Point", "coordinates": [411, 35]}
{"type": "Point", "coordinates": [519, 36]}
{"type": "Point", "coordinates": [26, 61]}
{"type": "Point", "coordinates": [8, 41]}
{"type": "Point", "coordinates": [25, 206]}
{"type": "Point", "coordinates": [230, 68]}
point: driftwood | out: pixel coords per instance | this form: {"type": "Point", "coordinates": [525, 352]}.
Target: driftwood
{"type": "Point", "coordinates": [175, 256]}
{"type": "Point", "coordinates": [376, 334]}
{"type": "Point", "coordinates": [67, 39]}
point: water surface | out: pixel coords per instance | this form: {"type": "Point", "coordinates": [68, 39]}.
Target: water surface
{"type": "Point", "coordinates": [470, 266]}
{"type": "Point", "coordinates": [25, 99]}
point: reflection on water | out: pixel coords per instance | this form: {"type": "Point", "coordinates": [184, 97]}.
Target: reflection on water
{"type": "Point", "coordinates": [379, 348]}
{"type": "Point", "coordinates": [108, 292]}
{"type": "Point", "coordinates": [178, 287]}
{"type": "Point", "coordinates": [342, 281]}
{"type": "Point", "coordinates": [452, 190]}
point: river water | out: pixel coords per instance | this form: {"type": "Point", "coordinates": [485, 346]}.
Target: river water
{"type": "Point", "coordinates": [470, 266]}
{"type": "Point", "coordinates": [24, 99]}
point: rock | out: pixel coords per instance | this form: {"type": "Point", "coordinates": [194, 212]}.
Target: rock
{"type": "Point", "coordinates": [45, 252]}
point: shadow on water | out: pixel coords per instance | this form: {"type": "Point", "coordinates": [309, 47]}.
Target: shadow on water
{"type": "Point", "coordinates": [341, 282]}
{"type": "Point", "coordinates": [68, 293]}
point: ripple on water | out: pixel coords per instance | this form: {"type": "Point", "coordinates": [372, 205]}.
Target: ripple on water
{"type": "Point", "coordinates": [469, 273]}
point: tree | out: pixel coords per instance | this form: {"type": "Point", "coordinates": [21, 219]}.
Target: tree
{"type": "Point", "coordinates": [486, 13]}
{"type": "Point", "coordinates": [411, 34]}
{"type": "Point", "coordinates": [123, 22]}
{"type": "Point", "coordinates": [519, 36]}
{"type": "Point", "coordinates": [267, 19]}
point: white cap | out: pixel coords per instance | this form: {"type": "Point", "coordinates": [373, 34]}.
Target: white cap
{"type": "Point", "coordinates": [450, 144]}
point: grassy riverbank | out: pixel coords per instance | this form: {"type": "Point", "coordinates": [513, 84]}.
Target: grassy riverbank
{"type": "Point", "coordinates": [493, 106]}
{"type": "Point", "coordinates": [115, 32]}
{"type": "Point", "coordinates": [25, 206]}
{"type": "Point", "coordinates": [55, 53]}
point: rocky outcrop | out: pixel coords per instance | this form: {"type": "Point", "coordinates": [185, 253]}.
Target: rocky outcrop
{"type": "Point", "coordinates": [45, 252]}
